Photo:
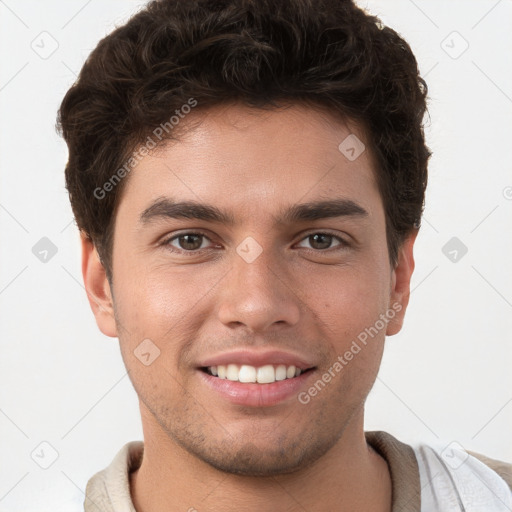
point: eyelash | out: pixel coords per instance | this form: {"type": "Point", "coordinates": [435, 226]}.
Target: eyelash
{"type": "Point", "coordinates": [343, 244]}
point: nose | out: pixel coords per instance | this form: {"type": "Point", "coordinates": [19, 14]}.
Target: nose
{"type": "Point", "coordinates": [258, 294]}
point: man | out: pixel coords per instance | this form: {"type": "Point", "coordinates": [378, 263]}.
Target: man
{"type": "Point", "coordinates": [248, 178]}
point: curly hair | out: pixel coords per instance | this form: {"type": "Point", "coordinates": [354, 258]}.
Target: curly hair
{"type": "Point", "coordinates": [326, 53]}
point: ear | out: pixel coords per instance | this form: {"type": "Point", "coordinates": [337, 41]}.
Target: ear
{"type": "Point", "coordinates": [401, 284]}
{"type": "Point", "coordinates": [98, 288]}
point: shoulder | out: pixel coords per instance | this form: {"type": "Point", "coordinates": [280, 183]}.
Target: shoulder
{"type": "Point", "coordinates": [451, 475]}
{"type": "Point", "coordinates": [444, 476]}
{"type": "Point", "coordinates": [109, 489]}
{"type": "Point", "coordinates": [504, 469]}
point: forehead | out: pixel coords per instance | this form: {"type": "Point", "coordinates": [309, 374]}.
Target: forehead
{"type": "Point", "coordinates": [257, 160]}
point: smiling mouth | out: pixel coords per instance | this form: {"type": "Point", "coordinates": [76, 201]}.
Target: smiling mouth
{"type": "Point", "coordinates": [266, 374]}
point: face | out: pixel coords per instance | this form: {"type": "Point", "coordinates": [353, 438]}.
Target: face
{"type": "Point", "coordinates": [277, 259]}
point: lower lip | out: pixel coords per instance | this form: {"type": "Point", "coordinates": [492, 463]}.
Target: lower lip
{"type": "Point", "coordinates": [256, 395]}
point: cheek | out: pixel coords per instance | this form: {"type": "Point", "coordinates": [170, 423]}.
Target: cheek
{"type": "Point", "coordinates": [355, 333]}
{"type": "Point", "coordinates": [149, 298]}
{"type": "Point", "coordinates": [349, 300]}
{"type": "Point", "coordinates": [164, 305]}
{"type": "Point", "coordinates": [154, 330]}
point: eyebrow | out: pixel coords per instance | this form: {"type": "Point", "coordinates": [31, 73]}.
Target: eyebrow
{"type": "Point", "coordinates": [167, 208]}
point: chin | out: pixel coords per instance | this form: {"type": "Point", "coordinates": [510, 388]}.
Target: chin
{"type": "Point", "coordinates": [256, 461]}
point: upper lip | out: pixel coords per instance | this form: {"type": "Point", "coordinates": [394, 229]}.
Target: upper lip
{"type": "Point", "coordinates": [257, 359]}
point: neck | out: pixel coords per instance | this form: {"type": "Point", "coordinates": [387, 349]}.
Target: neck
{"type": "Point", "coordinates": [350, 477]}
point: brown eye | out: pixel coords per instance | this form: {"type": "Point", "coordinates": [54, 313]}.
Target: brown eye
{"type": "Point", "coordinates": [320, 241]}
{"type": "Point", "coordinates": [190, 242]}
{"type": "Point", "coordinates": [323, 241]}
{"type": "Point", "coordinates": [187, 242]}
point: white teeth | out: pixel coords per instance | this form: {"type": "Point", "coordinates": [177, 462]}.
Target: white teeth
{"type": "Point", "coordinates": [232, 372]}
{"type": "Point", "coordinates": [263, 375]}
{"type": "Point", "coordinates": [266, 374]}
{"type": "Point", "coordinates": [281, 372]}
{"type": "Point", "coordinates": [247, 374]}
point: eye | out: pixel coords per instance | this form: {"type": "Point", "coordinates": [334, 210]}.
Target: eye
{"type": "Point", "coordinates": [187, 242]}
{"type": "Point", "coordinates": [323, 241]}
{"type": "Point", "coordinates": [194, 242]}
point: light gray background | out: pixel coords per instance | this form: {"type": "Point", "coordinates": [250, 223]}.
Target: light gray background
{"type": "Point", "coordinates": [445, 378]}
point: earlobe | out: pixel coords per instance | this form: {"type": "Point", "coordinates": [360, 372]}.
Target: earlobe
{"type": "Point", "coordinates": [401, 284]}
{"type": "Point", "coordinates": [98, 288]}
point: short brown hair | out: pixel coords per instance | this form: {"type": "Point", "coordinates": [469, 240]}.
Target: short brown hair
{"type": "Point", "coordinates": [328, 53]}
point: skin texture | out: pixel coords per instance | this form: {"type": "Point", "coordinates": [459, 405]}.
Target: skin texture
{"type": "Point", "coordinates": [201, 450]}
